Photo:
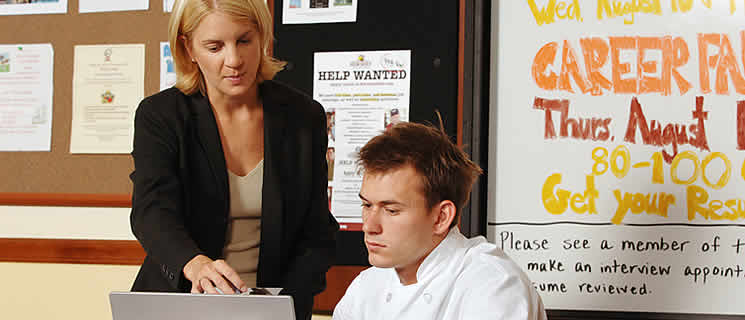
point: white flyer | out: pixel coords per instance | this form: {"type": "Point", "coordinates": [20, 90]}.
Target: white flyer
{"type": "Point", "coordinates": [319, 11]}
{"type": "Point", "coordinates": [363, 93]}
{"type": "Point", "coordinates": [88, 6]}
{"type": "Point", "coordinates": [108, 84]}
{"type": "Point", "coordinates": [18, 7]}
{"type": "Point", "coordinates": [26, 86]}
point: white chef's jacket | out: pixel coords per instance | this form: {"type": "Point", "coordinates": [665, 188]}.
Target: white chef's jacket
{"type": "Point", "coordinates": [460, 279]}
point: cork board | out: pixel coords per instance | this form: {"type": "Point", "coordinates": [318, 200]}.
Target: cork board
{"type": "Point", "coordinates": [58, 171]}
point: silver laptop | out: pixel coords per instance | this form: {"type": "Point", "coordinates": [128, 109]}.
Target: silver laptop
{"type": "Point", "coordinates": [188, 306]}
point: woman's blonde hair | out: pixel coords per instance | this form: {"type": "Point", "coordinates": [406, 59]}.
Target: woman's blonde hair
{"type": "Point", "coordinates": [186, 16]}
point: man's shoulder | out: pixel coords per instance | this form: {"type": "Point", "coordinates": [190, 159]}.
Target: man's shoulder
{"type": "Point", "coordinates": [490, 280]}
{"type": "Point", "coordinates": [484, 261]}
{"type": "Point", "coordinates": [361, 293]}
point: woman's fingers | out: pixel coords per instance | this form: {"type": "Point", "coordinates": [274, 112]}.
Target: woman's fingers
{"type": "Point", "coordinates": [206, 284]}
{"type": "Point", "coordinates": [219, 282]}
{"type": "Point", "coordinates": [220, 278]}
{"type": "Point", "coordinates": [231, 276]}
{"type": "Point", "coordinates": [193, 268]}
{"type": "Point", "coordinates": [214, 277]}
{"type": "Point", "coordinates": [195, 287]}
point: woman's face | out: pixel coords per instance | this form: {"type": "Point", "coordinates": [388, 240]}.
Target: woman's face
{"type": "Point", "coordinates": [228, 53]}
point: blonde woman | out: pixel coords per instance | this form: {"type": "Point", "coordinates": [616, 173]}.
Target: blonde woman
{"type": "Point", "coordinates": [230, 179]}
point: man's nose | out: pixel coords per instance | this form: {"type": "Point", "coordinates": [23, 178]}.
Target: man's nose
{"type": "Point", "coordinates": [371, 221]}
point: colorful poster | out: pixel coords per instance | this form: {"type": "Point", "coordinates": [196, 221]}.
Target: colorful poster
{"type": "Point", "coordinates": [26, 86]}
{"type": "Point", "coordinates": [108, 84]}
{"type": "Point", "coordinates": [364, 93]}
{"type": "Point", "coordinates": [167, 69]}
{"type": "Point", "coordinates": [617, 176]}
{"type": "Point", "coordinates": [13, 7]}
{"type": "Point", "coordinates": [319, 11]}
{"type": "Point", "coordinates": [87, 6]}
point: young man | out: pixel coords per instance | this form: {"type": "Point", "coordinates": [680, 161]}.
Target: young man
{"type": "Point", "coordinates": [416, 182]}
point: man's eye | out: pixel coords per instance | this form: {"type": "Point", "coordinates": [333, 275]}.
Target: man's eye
{"type": "Point", "coordinates": [365, 205]}
{"type": "Point", "coordinates": [391, 211]}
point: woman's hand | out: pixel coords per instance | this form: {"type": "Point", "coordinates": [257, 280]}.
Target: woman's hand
{"type": "Point", "coordinates": [214, 277]}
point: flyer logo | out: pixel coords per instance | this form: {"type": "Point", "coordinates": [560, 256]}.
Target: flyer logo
{"type": "Point", "coordinates": [107, 97]}
{"type": "Point", "coordinates": [390, 62]}
{"type": "Point", "coordinates": [107, 55]}
{"type": "Point", "coordinates": [360, 62]}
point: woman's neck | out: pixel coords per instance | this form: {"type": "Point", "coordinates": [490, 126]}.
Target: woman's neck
{"type": "Point", "coordinates": [227, 106]}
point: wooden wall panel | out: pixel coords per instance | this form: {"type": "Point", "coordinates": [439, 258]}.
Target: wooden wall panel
{"type": "Point", "coordinates": [112, 252]}
{"type": "Point", "coordinates": [129, 252]}
{"type": "Point", "coordinates": [66, 200]}
{"type": "Point", "coordinates": [338, 279]}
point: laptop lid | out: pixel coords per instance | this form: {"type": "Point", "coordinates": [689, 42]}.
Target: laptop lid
{"type": "Point", "coordinates": [188, 306]}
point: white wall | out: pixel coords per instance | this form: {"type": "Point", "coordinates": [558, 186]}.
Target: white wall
{"type": "Point", "coordinates": [46, 291]}
{"type": "Point", "coordinates": [65, 223]}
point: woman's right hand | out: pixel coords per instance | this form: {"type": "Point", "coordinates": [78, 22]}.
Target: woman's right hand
{"type": "Point", "coordinates": [207, 276]}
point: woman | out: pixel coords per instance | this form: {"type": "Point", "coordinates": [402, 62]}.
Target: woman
{"type": "Point", "coordinates": [230, 173]}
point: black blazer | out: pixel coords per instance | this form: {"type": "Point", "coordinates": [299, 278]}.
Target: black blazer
{"type": "Point", "coordinates": [180, 199]}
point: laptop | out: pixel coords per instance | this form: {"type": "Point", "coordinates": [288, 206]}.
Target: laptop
{"type": "Point", "coordinates": [189, 306]}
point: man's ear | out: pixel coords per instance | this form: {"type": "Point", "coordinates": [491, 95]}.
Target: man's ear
{"type": "Point", "coordinates": [444, 217]}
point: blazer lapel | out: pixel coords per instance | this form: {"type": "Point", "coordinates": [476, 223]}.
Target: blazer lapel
{"type": "Point", "coordinates": [272, 214]}
{"type": "Point", "coordinates": [209, 139]}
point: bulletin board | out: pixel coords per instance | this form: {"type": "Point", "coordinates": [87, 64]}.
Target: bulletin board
{"type": "Point", "coordinates": [431, 33]}
{"type": "Point", "coordinates": [618, 171]}
{"type": "Point", "coordinates": [58, 171]}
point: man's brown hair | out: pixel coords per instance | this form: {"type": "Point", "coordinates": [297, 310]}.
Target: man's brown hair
{"type": "Point", "coordinates": [446, 171]}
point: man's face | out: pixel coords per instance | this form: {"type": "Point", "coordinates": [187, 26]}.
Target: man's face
{"type": "Point", "coordinates": [398, 225]}
{"type": "Point", "coordinates": [330, 155]}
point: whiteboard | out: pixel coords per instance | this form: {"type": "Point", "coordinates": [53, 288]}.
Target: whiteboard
{"type": "Point", "coordinates": [618, 173]}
